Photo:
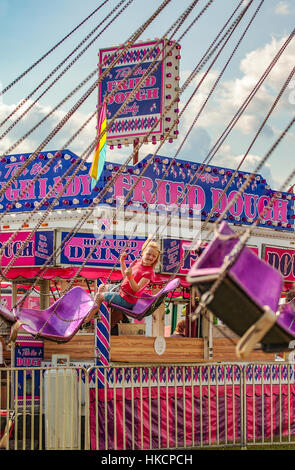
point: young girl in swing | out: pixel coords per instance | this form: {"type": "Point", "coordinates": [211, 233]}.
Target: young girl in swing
{"type": "Point", "coordinates": [136, 278]}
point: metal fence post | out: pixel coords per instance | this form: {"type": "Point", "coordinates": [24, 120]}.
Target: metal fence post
{"type": "Point", "coordinates": [87, 410]}
{"type": "Point", "coordinates": [243, 408]}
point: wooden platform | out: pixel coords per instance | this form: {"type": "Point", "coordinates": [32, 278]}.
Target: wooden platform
{"type": "Point", "coordinates": [80, 348]}
{"type": "Point", "coordinates": [178, 350]}
{"type": "Point", "coordinates": [224, 350]}
{"type": "Point", "coordinates": [140, 349]}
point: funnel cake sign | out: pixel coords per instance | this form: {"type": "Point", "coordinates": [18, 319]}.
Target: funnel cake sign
{"type": "Point", "coordinates": [159, 62]}
{"type": "Point", "coordinates": [184, 184]}
{"type": "Point", "coordinates": [166, 187]}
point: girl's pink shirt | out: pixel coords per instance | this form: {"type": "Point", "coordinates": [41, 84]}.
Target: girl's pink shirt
{"type": "Point", "coordinates": [138, 271]}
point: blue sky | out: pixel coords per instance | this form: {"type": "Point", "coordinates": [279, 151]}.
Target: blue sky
{"type": "Point", "coordinates": [29, 28]}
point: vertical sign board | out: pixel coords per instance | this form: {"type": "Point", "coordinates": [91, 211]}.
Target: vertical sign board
{"type": "Point", "coordinates": [157, 90]}
{"type": "Point", "coordinates": [28, 354]}
{"type": "Point", "coordinates": [176, 259]}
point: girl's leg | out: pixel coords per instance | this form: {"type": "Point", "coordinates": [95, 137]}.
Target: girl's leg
{"type": "Point", "coordinates": [99, 297]}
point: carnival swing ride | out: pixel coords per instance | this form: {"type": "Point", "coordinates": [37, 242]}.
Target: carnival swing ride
{"type": "Point", "coordinates": [226, 273]}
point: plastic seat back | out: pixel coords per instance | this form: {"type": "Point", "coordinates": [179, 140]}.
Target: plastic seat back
{"type": "Point", "coordinates": [147, 304]}
{"type": "Point", "coordinates": [61, 321]}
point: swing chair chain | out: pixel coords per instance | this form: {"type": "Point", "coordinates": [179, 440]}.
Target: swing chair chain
{"type": "Point", "coordinates": [46, 212]}
{"type": "Point", "coordinates": [196, 245]}
{"type": "Point", "coordinates": [12, 179]}
{"type": "Point", "coordinates": [229, 260]}
{"type": "Point", "coordinates": [54, 312]}
{"type": "Point", "coordinates": [232, 256]}
{"type": "Point", "coordinates": [181, 21]}
{"type": "Point", "coordinates": [205, 299]}
{"type": "Point", "coordinates": [208, 296]}
{"type": "Point", "coordinates": [80, 101]}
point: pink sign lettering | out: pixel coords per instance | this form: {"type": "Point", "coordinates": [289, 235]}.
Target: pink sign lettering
{"type": "Point", "coordinates": [28, 256]}
{"type": "Point", "coordinates": [282, 259]}
{"type": "Point", "coordinates": [106, 254]}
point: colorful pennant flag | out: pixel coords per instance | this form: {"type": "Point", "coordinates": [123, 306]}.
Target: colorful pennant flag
{"type": "Point", "coordinates": [101, 148]}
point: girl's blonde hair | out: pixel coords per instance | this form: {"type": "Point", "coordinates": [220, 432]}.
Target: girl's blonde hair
{"type": "Point", "coordinates": [150, 243]}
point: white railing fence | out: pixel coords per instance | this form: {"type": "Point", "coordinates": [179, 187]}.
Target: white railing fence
{"type": "Point", "coordinates": [147, 407]}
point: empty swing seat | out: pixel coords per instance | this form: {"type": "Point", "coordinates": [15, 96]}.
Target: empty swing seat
{"type": "Point", "coordinates": [59, 323]}
{"type": "Point", "coordinates": [250, 289]}
{"type": "Point", "coordinates": [286, 317]}
{"type": "Point", "coordinates": [147, 304]}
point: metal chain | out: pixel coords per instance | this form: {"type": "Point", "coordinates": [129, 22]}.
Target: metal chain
{"type": "Point", "coordinates": [197, 175]}
{"type": "Point", "coordinates": [121, 204]}
{"type": "Point", "coordinates": [134, 185]}
{"type": "Point", "coordinates": [122, 168]}
{"type": "Point", "coordinates": [68, 171]}
{"type": "Point", "coordinates": [63, 121]}
{"type": "Point", "coordinates": [230, 259]}
{"type": "Point", "coordinates": [129, 42]}
{"type": "Point", "coordinates": [158, 11]}
{"type": "Point", "coordinates": [51, 50]}
{"type": "Point", "coordinates": [230, 32]}
{"type": "Point", "coordinates": [208, 297]}
{"type": "Point", "coordinates": [88, 120]}
{"type": "Point", "coordinates": [58, 67]}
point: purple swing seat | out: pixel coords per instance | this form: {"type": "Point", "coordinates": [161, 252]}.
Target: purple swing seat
{"type": "Point", "coordinates": [286, 317]}
{"type": "Point", "coordinates": [60, 322]}
{"type": "Point", "coordinates": [147, 304]}
{"type": "Point", "coordinates": [249, 286]}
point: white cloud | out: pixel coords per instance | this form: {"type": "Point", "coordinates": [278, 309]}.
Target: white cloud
{"type": "Point", "coordinates": [227, 158]}
{"type": "Point", "coordinates": [231, 94]}
{"type": "Point", "coordinates": [34, 116]}
{"type": "Point", "coordinates": [226, 101]}
{"type": "Point", "coordinates": [283, 8]}
{"type": "Point", "coordinates": [255, 62]}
